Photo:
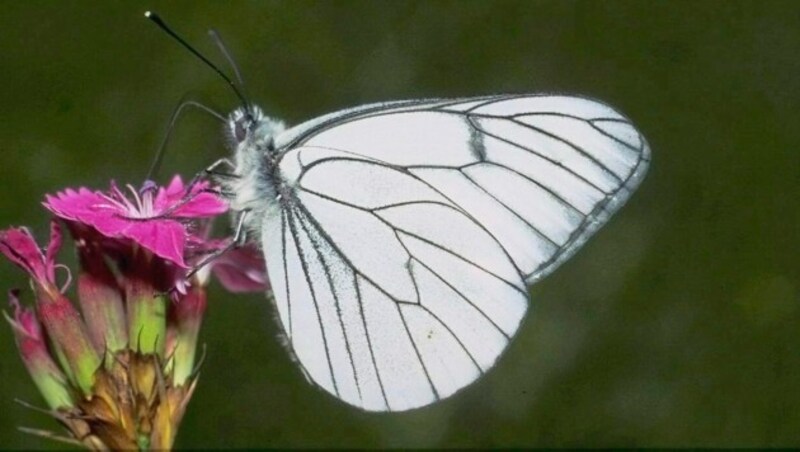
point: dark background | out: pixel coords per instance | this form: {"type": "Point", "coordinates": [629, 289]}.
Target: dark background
{"type": "Point", "coordinates": [677, 324]}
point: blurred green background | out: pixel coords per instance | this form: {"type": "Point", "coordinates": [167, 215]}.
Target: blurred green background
{"type": "Point", "coordinates": [677, 324]}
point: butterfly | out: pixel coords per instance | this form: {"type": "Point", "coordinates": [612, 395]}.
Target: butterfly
{"type": "Point", "coordinates": [401, 238]}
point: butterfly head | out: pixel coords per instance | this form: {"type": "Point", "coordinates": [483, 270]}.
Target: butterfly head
{"type": "Point", "coordinates": [249, 128]}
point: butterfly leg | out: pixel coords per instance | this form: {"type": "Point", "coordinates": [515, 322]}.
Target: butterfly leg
{"type": "Point", "coordinates": [211, 171]}
{"type": "Point", "coordinates": [239, 238]}
{"type": "Point", "coordinates": [191, 193]}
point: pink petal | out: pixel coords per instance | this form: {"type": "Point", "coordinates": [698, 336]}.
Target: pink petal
{"type": "Point", "coordinates": [24, 321]}
{"type": "Point", "coordinates": [52, 249]}
{"type": "Point", "coordinates": [242, 270]}
{"type": "Point", "coordinates": [164, 238]}
{"type": "Point", "coordinates": [176, 185]}
{"type": "Point", "coordinates": [18, 246]}
{"type": "Point", "coordinates": [112, 225]}
{"type": "Point", "coordinates": [202, 205]}
{"type": "Point", "coordinates": [83, 206]}
{"type": "Point", "coordinates": [199, 205]}
{"type": "Point", "coordinates": [114, 215]}
{"type": "Point", "coordinates": [171, 194]}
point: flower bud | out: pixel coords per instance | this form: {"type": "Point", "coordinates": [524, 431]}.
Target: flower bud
{"type": "Point", "coordinates": [63, 324]}
{"type": "Point", "coordinates": [32, 344]}
{"type": "Point", "coordinates": [101, 301]}
{"type": "Point", "coordinates": [187, 315]}
{"type": "Point", "coordinates": [146, 306]}
{"type": "Point", "coordinates": [61, 321]}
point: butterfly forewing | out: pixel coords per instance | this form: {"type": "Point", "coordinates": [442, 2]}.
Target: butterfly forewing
{"type": "Point", "coordinates": [409, 231]}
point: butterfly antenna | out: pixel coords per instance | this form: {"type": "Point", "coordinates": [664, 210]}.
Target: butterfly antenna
{"type": "Point", "coordinates": [227, 54]}
{"type": "Point", "coordinates": [161, 24]}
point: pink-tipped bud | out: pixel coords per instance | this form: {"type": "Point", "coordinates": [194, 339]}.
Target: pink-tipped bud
{"type": "Point", "coordinates": [19, 247]}
{"type": "Point", "coordinates": [33, 348]}
{"type": "Point", "coordinates": [64, 326]}
{"type": "Point", "coordinates": [61, 321]}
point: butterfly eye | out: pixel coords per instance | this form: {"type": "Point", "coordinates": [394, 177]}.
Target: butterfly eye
{"type": "Point", "coordinates": [240, 130]}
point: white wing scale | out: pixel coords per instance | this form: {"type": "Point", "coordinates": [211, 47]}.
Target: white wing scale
{"type": "Point", "coordinates": [408, 232]}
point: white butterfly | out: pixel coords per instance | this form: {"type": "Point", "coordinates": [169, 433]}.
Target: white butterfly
{"type": "Point", "coordinates": [401, 238]}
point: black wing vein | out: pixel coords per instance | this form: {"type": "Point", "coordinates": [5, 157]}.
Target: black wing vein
{"type": "Point", "coordinates": [335, 294]}
{"type": "Point", "coordinates": [416, 236]}
{"type": "Point", "coordinates": [360, 306]}
{"type": "Point", "coordinates": [542, 156]}
{"type": "Point", "coordinates": [416, 352]}
{"type": "Point", "coordinates": [304, 264]}
{"type": "Point", "coordinates": [355, 269]}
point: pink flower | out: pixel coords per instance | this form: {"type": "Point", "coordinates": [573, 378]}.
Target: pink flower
{"type": "Point", "coordinates": [151, 217]}
{"type": "Point", "coordinates": [138, 310]}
